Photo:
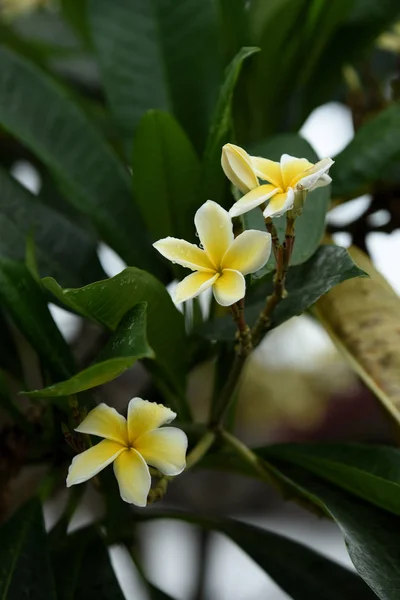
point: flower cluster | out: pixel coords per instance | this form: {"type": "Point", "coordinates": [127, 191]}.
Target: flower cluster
{"type": "Point", "coordinates": [284, 179]}
{"type": "Point", "coordinates": [222, 261]}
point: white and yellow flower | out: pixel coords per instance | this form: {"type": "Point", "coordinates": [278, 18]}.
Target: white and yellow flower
{"type": "Point", "coordinates": [285, 179]}
{"type": "Point", "coordinates": [131, 444]}
{"type": "Point", "coordinates": [222, 261]}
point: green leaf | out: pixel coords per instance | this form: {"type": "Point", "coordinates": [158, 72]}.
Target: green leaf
{"type": "Point", "coordinates": [127, 345]}
{"type": "Point", "coordinates": [27, 305]}
{"type": "Point", "coordinates": [83, 569]}
{"type": "Point", "coordinates": [366, 20]}
{"type": "Point", "coordinates": [370, 472]}
{"type": "Point", "coordinates": [374, 147]}
{"type": "Point", "coordinates": [166, 176]}
{"type": "Point", "coordinates": [372, 535]}
{"type": "Point", "coordinates": [25, 570]}
{"type": "Point", "coordinates": [74, 11]}
{"type": "Point", "coordinates": [107, 301]}
{"type": "Point", "coordinates": [329, 266]}
{"type": "Point", "coordinates": [272, 83]}
{"type": "Point", "coordinates": [214, 181]}
{"type": "Point", "coordinates": [310, 226]}
{"type": "Point", "coordinates": [158, 54]}
{"type": "Point", "coordinates": [63, 250]}
{"type": "Point", "coordinates": [9, 356]}
{"type": "Point", "coordinates": [56, 130]}
{"type": "Point", "coordinates": [299, 571]}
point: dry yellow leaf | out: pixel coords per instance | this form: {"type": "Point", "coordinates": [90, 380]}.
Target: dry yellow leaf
{"type": "Point", "coordinates": [362, 316]}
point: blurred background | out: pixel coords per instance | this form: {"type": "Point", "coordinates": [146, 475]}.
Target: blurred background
{"type": "Point", "coordinates": [322, 398]}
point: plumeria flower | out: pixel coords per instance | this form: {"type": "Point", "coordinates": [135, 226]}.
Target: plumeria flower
{"type": "Point", "coordinates": [131, 444]}
{"type": "Point", "coordinates": [222, 261]}
{"type": "Point", "coordinates": [285, 179]}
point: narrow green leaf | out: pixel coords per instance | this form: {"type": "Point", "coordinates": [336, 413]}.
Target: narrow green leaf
{"type": "Point", "coordinates": [56, 130]}
{"type": "Point", "coordinates": [75, 12]}
{"type": "Point", "coordinates": [27, 305]}
{"type": "Point", "coordinates": [25, 572]}
{"type": "Point", "coordinates": [9, 356]}
{"type": "Point", "coordinates": [365, 21]}
{"type": "Point", "coordinates": [158, 54]}
{"type": "Point", "coordinates": [8, 404]}
{"type": "Point", "coordinates": [370, 472]}
{"type": "Point", "coordinates": [329, 266]}
{"type": "Point", "coordinates": [310, 226]}
{"type": "Point", "coordinates": [372, 535]}
{"type": "Point", "coordinates": [83, 569]}
{"type": "Point", "coordinates": [107, 301]}
{"type": "Point", "coordinates": [374, 147]}
{"type": "Point", "coordinates": [299, 571]}
{"type": "Point", "coordinates": [166, 176]}
{"type": "Point", "coordinates": [63, 250]}
{"type": "Point", "coordinates": [214, 181]}
{"type": "Point", "coordinates": [127, 345]}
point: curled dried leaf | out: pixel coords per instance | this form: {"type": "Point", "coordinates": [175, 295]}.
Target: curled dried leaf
{"type": "Point", "coordinates": [362, 316]}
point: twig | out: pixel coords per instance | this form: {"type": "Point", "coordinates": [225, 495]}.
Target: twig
{"type": "Point", "coordinates": [282, 264]}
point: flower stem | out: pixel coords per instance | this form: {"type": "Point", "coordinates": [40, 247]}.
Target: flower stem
{"type": "Point", "coordinates": [274, 237]}
{"type": "Point", "coordinates": [200, 450]}
{"type": "Point", "coordinates": [248, 455]}
{"type": "Point", "coordinates": [227, 396]}
{"type": "Point", "coordinates": [284, 253]}
{"type": "Point", "coordinates": [244, 336]}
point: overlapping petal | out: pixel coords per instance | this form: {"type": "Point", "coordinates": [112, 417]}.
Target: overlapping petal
{"type": "Point", "coordinates": [254, 198]}
{"type": "Point", "coordinates": [238, 168]}
{"type": "Point", "coordinates": [144, 416]}
{"type": "Point", "coordinates": [105, 422]}
{"type": "Point", "coordinates": [269, 170]}
{"type": "Point", "coordinates": [292, 169]}
{"type": "Point", "coordinates": [249, 252]}
{"type": "Point", "coordinates": [214, 227]}
{"type": "Point", "coordinates": [193, 285]}
{"type": "Point", "coordinates": [164, 449]}
{"type": "Point", "coordinates": [133, 477]}
{"type": "Point", "coordinates": [229, 288]}
{"type": "Point", "coordinates": [279, 204]}
{"type": "Point", "coordinates": [183, 253]}
{"type": "Point", "coordinates": [87, 464]}
{"type": "Point", "coordinates": [317, 173]}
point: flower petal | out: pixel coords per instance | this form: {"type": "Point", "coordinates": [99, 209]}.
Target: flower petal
{"type": "Point", "coordinates": [145, 416]}
{"type": "Point", "coordinates": [133, 477]}
{"type": "Point", "coordinates": [92, 461]}
{"type": "Point", "coordinates": [269, 170]}
{"type": "Point", "coordinates": [183, 253]}
{"type": "Point", "coordinates": [164, 449]}
{"type": "Point", "coordinates": [322, 182]}
{"type": "Point", "coordinates": [237, 166]}
{"type": "Point", "coordinates": [292, 169]}
{"type": "Point", "coordinates": [229, 288]}
{"type": "Point", "coordinates": [249, 252]}
{"type": "Point", "coordinates": [279, 204]}
{"type": "Point", "coordinates": [254, 198]}
{"type": "Point", "coordinates": [193, 285]}
{"type": "Point", "coordinates": [311, 177]}
{"type": "Point", "coordinates": [214, 227]}
{"type": "Point", "coordinates": [105, 422]}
